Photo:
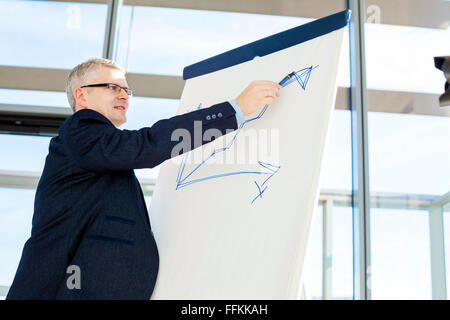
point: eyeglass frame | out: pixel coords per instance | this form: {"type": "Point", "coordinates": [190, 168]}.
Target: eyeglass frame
{"type": "Point", "coordinates": [128, 91]}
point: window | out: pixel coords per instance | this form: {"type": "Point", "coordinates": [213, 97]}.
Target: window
{"type": "Point", "coordinates": [16, 212]}
{"type": "Point", "coordinates": [23, 153]}
{"type": "Point", "coordinates": [400, 254]}
{"type": "Point", "coordinates": [336, 197]}
{"type": "Point", "coordinates": [51, 34]}
{"type": "Point", "coordinates": [34, 97]}
{"type": "Point", "coordinates": [446, 217]}
{"type": "Point", "coordinates": [409, 145]}
{"type": "Point", "coordinates": [408, 134]}
{"type": "Point", "coordinates": [165, 40]}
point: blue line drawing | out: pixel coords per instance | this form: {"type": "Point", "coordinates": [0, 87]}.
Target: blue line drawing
{"type": "Point", "coordinates": [269, 170]}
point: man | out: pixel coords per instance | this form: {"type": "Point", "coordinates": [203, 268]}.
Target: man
{"type": "Point", "coordinates": [91, 236]}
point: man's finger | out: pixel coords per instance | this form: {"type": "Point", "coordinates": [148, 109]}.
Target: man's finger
{"type": "Point", "coordinates": [267, 85]}
{"type": "Point", "coordinates": [268, 93]}
{"type": "Point", "coordinates": [272, 93]}
{"type": "Point", "coordinates": [266, 82]}
{"type": "Point", "coordinates": [268, 101]}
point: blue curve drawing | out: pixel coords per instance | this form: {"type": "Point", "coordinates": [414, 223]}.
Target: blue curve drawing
{"type": "Point", "coordinates": [266, 169]}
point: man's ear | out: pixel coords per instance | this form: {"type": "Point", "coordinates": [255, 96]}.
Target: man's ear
{"type": "Point", "coordinates": [80, 97]}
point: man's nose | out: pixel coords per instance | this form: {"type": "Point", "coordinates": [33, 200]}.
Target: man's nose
{"type": "Point", "coordinates": [123, 94]}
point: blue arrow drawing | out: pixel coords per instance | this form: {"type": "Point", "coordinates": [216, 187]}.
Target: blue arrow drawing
{"type": "Point", "coordinates": [266, 170]}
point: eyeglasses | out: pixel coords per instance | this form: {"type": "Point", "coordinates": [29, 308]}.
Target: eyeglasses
{"type": "Point", "coordinates": [112, 86]}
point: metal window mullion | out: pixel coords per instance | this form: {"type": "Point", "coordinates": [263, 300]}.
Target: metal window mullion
{"type": "Point", "coordinates": [112, 27]}
{"type": "Point", "coordinates": [360, 174]}
{"type": "Point", "coordinates": [437, 253]}
{"type": "Point", "coordinates": [327, 258]}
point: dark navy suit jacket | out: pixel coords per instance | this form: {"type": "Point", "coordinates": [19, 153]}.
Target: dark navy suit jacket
{"type": "Point", "coordinates": [90, 212]}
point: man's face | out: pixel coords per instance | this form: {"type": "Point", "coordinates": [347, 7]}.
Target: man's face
{"type": "Point", "coordinates": [110, 104]}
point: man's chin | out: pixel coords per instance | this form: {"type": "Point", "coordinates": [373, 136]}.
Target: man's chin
{"type": "Point", "coordinates": [121, 122]}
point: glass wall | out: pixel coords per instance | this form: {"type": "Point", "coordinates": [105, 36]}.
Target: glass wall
{"type": "Point", "coordinates": [165, 40]}
{"type": "Point", "coordinates": [446, 213]}
{"type": "Point", "coordinates": [408, 134]}
{"type": "Point", "coordinates": [19, 155]}
{"type": "Point", "coordinates": [162, 41]}
{"type": "Point", "coordinates": [16, 212]}
{"type": "Point", "coordinates": [51, 34]}
{"type": "Point", "coordinates": [409, 144]}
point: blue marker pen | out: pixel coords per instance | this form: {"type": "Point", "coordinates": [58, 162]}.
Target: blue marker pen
{"type": "Point", "coordinates": [287, 78]}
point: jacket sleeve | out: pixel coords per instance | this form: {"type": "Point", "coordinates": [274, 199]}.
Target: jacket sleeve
{"type": "Point", "coordinates": [96, 145]}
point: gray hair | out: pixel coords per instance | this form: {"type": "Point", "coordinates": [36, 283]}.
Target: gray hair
{"type": "Point", "coordinates": [78, 75]}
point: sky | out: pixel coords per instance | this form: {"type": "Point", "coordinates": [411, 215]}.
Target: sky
{"type": "Point", "coordinates": [407, 153]}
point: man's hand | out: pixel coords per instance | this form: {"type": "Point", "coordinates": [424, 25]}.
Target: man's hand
{"type": "Point", "coordinates": [257, 95]}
